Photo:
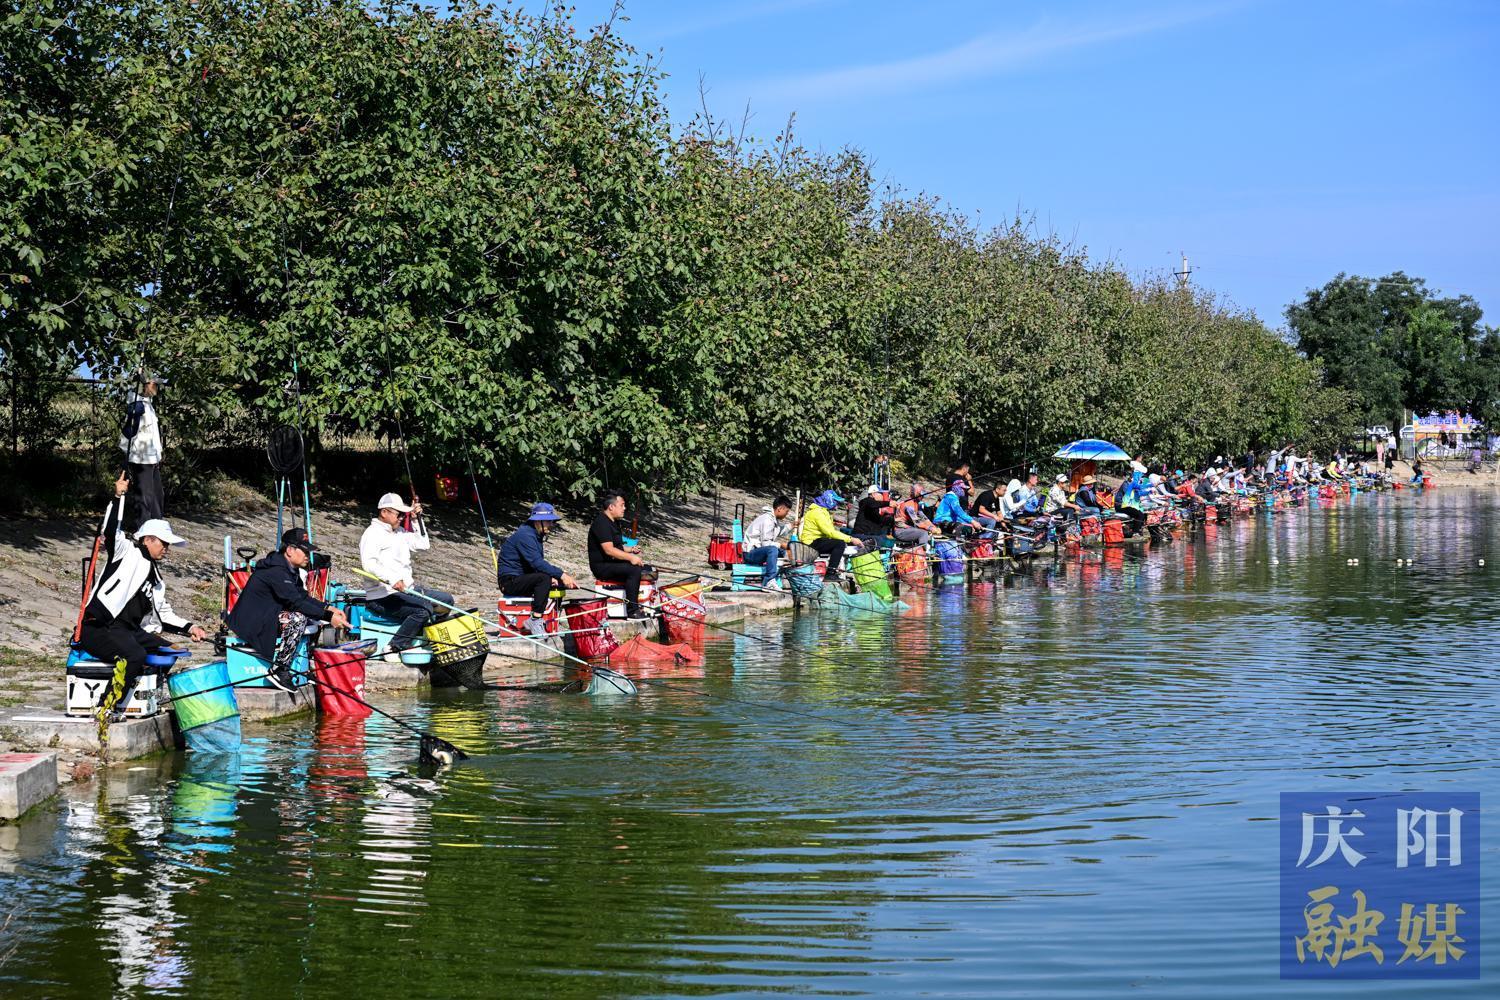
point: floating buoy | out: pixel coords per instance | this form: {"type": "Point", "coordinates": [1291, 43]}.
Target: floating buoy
{"type": "Point", "coordinates": [1481, 562]}
{"type": "Point", "coordinates": [442, 757]}
{"type": "Point", "coordinates": [1354, 562]}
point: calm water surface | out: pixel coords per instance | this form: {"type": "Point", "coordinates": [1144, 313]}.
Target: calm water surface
{"type": "Point", "coordinates": [1063, 783]}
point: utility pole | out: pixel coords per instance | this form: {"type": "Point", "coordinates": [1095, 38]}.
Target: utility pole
{"type": "Point", "coordinates": [1182, 276]}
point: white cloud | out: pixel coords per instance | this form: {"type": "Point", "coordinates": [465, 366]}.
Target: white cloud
{"type": "Point", "coordinates": [985, 55]}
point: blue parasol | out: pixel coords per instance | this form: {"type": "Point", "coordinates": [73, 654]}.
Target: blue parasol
{"type": "Point", "coordinates": [1092, 449]}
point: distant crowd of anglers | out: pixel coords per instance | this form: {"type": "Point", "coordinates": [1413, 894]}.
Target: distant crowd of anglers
{"type": "Point", "coordinates": [273, 604]}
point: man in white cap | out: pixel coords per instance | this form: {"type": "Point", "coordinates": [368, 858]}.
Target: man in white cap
{"type": "Point", "coordinates": [385, 552]}
{"type": "Point", "coordinates": [129, 594]}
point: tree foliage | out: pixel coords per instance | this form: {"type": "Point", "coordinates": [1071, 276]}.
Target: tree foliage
{"type": "Point", "coordinates": [483, 225]}
{"type": "Point", "coordinates": [1395, 344]}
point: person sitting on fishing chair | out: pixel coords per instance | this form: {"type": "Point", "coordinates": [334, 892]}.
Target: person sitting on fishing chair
{"type": "Point", "coordinates": [128, 596]}
{"type": "Point", "coordinates": [1058, 503]}
{"type": "Point", "coordinates": [275, 607]}
{"type": "Point", "coordinates": [523, 567]}
{"type": "Point", "coordinates": [609, 560]}
{"type": "Point", "coordinates": [766, 539]}
{"type": "Point", "coordinates": [385, 553]}
{"type": "Point", "coordinates": [820, 533]}
{"type": "Point", "coordinates": [951, 515]}
{"type": "Point", "coordinates": [874, 517]}
{"type": "Point", "coordinates": [913, 526]}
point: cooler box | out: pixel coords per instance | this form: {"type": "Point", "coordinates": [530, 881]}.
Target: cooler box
{"type": "Point", "coordinates": [514, 611]}
{"type": "Point", "coordinates": [616, 595]}
{"type": "Point", "coordinates": [247, 669]}
{"type": "Point", "coordinates": [87, 678]}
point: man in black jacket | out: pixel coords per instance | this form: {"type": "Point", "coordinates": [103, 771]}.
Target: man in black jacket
{"type": "Point", "coordinates": [275, 607]}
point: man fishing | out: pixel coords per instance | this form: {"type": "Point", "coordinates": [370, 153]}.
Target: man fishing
{"type": "Point", "coordinates": [275, 607]}
{"type": "Point", "coordinates": [819, 532]}
{"type": "Point", "coordinates": [951, 515]}
{"type": "Point", "coordinates": [128, 597]}
{"type": "Point", "coordinates": [385, 553]}
{"type": "Point", "coordinates": [766, 539]}
{"type": "Point", "coordinates": [1057, 501]}
{"type": "Point", "coordinates": [609, 560]}
{"type": "Point", "coordinates": [913, 527]}
{"type": "Point", "coordinates": [524, 569]}
{"type": "Point", "coordinates": [874, 517]}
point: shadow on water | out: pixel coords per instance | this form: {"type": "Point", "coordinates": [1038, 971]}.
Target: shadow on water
{"type": "Point", "coordinates": [1060, 782]}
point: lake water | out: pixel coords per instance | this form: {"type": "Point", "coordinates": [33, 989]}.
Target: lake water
{"type": "Point", "coordinates": [1062, 783]}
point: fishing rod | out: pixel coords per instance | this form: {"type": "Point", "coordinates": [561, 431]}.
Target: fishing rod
{"type": "Point", "coordinates": [504, 628]}
{"type": "Point", "coordinates": [134, 426]}
{"type": "Point", "coordinates": [488, 539]}
{"type": "Point", "coordinates": [614, 676]}
{"type": "Point", "coordinates": [431, 748]}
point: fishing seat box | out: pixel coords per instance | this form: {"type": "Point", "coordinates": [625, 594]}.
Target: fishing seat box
{"type": "Point", "coordinates": [616, 594]}
{"type": "Point", "coordinates": [515, 610]}
{"type": "Point", "coordinates": [457, 637]}
{"type": "Point", "coordinates": [382, 630]}
{"type": "Point", "coordinates": [87, 678]}
{"type": "Point", "coordinates": [248, 670]}
{"type": "Point", "coordinates": [744, 576]}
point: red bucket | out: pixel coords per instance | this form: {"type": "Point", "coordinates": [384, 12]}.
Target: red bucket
{"type": "Point", "coordinates": [588, 621]}
{"type": "Point", "coordinates": [1114, 532]}
{"type": "Point", "coordinates": [340, 673]}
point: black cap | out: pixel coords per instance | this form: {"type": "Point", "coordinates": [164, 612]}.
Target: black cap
{"type": "Point", "coordinates": [297, 537]}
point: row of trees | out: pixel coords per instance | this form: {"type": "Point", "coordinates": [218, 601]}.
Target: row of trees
{"type": "Point", "coordinates": [1395, 344]}
{"type": "Point", "coordinates": [485, 225]}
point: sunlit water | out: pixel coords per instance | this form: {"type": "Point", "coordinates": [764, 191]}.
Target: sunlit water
{"type": "Point", "coordinates": [1059, 783]}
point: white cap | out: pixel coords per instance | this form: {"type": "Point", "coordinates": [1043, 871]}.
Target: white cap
{"type": "Point", "coordinates": [394, 502]}
{"type": "Point", "coordinates": [1061, 478]}
{"type": "Point", "coordinates": [158, 528]}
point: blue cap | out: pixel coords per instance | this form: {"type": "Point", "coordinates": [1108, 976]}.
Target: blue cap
{"type": "Point", "coordinates": [542, 512]}
{"type": "Point", "coordinates": [829, 499]}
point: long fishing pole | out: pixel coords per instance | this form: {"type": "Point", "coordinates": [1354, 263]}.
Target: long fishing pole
{"type": "Point", "coordinates": [613, 675]}
{"type": "Point", "coordinates": [488, 539]}
{"type": "Point", "coordinates": [437, 742]}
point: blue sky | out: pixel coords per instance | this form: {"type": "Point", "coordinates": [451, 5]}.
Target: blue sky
{"type": "Point", "coordinates": [1277, 143]}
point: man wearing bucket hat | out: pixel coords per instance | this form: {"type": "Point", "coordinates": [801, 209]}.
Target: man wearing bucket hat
{"type": "Point", "coordinates": [820, 533]}
{"type": "Point", "coordinates": [275, 607]}
{"type": "Point", "coordinates": [524, 569]}
{"type": "Point", "coordinates": [127, 609]}
{"type": "Point", "coordinates": [385, 553]}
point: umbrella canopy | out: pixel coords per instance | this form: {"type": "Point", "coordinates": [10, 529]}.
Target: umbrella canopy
{"type": "Point", "coordinates": [1093, 450]}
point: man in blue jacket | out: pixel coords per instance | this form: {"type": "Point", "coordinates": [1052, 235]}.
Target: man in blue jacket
{"type": "Point", "coordinates": [524, 568]}
{"type": "Point", "coordinates": [275, 607]}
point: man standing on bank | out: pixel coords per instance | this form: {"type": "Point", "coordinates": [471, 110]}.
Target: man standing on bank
{"type": "Point", "coordinates": [608, 559]}
{"type": "Point", "coordinates": [140, 440]}
{"type": "Point", "coordinates": [524, 568]}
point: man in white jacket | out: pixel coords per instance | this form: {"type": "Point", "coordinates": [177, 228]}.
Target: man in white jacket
{"type": "Point", "coordinates": [140, 440]}
{"type": "Point", "coordinates": [766, 538]}
{"type": "Point", "coordinates": [385, 552]}
{"type": "Point", "coordinates": [127, 598]}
